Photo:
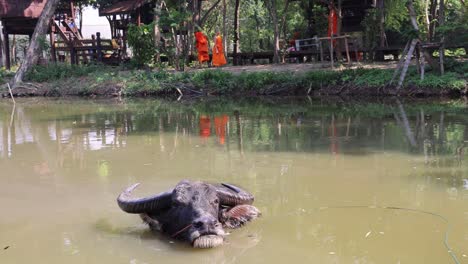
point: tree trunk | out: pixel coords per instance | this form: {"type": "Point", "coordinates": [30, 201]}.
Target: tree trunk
{"type": "Point", "coordinates": [283, 19]}
{"type": "Point", "coordinates": [156, 30]}
{"type": "Point", "coordinates": [379, 54]}
{"type": "Point", "coordinates": [33, 49]}
{"type": "Point", "coordinates": [196, 13]}
{"type": "Point", "coordinates": [236, 32]}
{"type": "Point", "coordinates": [208, 12]}
{"type": "Point", "coordinates": [432, 16]}
{"type": "Point", "coordinates": [407, 62]}
{"type": "Point", "coordinates": [404, 123]}
{"type": "Point", "coordinates": [427, 19]}
{"type": "Point", "coordinates": [338, 30]}
{"type": "Point", "coordinates": [13, 50]}
{"type": "Point", "coordinates": [225, 33]}
{"type": "Point", "coordinates": [442, 46]}
{"type": "Point", "coordinates": [276, 31]}
{"type": "Point", "coordinates": [412, 14]}
{"type": "Point", "coordinates": [2, 43]}
{"type": "Point", "coordinates": [257, 27]}
{"type": "Point", "coordinates": [381, 6]}
{"type": "Point", "coordinates": [80, 11]}
{"type": "Point", "coordinates": [434, 65]}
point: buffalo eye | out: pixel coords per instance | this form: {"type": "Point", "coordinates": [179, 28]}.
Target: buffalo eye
{"type": "Point", "coordinates": [216, 201]}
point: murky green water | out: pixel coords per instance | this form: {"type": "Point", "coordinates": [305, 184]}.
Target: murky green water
{"type": "Point", "coordinates": [326, 176]}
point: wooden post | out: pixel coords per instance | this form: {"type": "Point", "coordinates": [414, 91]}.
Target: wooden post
{"type": "Point", "coordinates": [98, 46]}
{"type": "Point", "coordinates": [139, 17]}
{"type": "Point", "coordinates": [93, 38]}
{"type": "Point", "coordinates": [7, 49]}
{"type": "Point", "coordinates": [442, 56]}
{"type": "Point", "coordinates": [331, 51]}
{"type": "Point", "coordinates": [72, 50]}
{"type": "Point", "coordinates": [124, 41]}
{"type": "Point", "coordinates": [72, 9]}
{"type": "Point", "coordinates": [356, 53]}
{"type": "Point", "coordinates": [321, 50]}
{"type": "Point", "coordinates": [52, 41]}
{"type": "Point", "coordinates": [347, 49]}
{"type": "Point", "coordinates": [114, 29]}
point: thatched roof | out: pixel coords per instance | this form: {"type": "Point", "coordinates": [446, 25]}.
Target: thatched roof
{"type": "Point", "coordinates": [124, 7]}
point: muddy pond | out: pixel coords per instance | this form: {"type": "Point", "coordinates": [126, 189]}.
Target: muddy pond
{"type": "Point", "coordinates": [337, 180]}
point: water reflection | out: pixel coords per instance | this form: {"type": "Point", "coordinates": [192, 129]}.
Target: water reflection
{"type": "Point", "coordinates": [439, 135]}
{"type": "Point", "coordinates": [295, 155]}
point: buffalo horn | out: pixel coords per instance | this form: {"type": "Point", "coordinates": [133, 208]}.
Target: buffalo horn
{"type": "Point", "coordinates": [143, 205]}
{"type": "Point", "coordinates": [231, 195]}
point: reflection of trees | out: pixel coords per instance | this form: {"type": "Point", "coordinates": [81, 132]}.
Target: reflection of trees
{"type": "Point", "coordinates": [437, 135]}
{"type": "Point", "coordinates": [402, 120]}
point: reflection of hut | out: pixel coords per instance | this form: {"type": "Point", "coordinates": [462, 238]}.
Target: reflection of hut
{"type": "Point", "coordinates": [19, 17]}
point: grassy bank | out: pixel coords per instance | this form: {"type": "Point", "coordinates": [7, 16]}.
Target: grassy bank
{"type": "Point", "coordinates": [62, 80]}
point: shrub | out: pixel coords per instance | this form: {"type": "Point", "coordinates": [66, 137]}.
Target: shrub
{"type": "Point", "coordinates": [41, 73]}
{"type": "Point", "coordinates": [141, 40]}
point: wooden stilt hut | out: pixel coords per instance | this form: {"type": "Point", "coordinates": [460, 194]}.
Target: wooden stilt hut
{"type": "Point", "coordinates": [121, 14]}
{"type": "Point", "coordinates": [19, 17]}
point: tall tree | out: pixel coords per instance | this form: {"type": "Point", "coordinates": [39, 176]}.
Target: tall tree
{"type": "Point", "coordinates": [271, 4]}
{"type": "Point", "coordinates": [236, 32]}
{"type": "Point", "coordinates": [32, 54]}
{"type": "Point", "coordinates": [156, 29]}
{"type": "Point", "coordinates": [225, 37]}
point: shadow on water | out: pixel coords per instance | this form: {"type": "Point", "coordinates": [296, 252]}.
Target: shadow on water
{"type": "Point", "coordinates": [244, 239]}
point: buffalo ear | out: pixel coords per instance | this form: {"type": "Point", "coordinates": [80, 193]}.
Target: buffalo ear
{"type": "Point", "coordinates": [150, 204]}
{"type": "Point", "coordinates": [239, 215]}
{"type": "Point", "coordinates": [231, 195]}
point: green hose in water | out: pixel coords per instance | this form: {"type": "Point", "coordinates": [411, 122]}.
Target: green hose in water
{"type": "Point", "coordinates": [446, 244]}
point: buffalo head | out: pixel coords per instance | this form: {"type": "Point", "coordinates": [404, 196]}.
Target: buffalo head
{"type": "Point", "coordinates": [193, 211]}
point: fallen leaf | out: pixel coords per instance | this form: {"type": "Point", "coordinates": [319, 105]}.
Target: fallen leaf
{"type": "Point", "coordinates": [368, 234]}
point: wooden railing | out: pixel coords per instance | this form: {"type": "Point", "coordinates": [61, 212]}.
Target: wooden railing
{"type": "Point", "coordinates": [85, 50]}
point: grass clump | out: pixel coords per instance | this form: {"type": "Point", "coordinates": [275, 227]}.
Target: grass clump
{"type": "Point", "coordinates": [53, 72]}
{"type": "Point", "coordinates": [102, 79]}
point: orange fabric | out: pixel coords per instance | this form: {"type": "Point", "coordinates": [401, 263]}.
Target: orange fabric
{"type": "Point", "coordinates": [220, 123]}
{"type": "Point", "coordinates": [202, 47]}
{"type": "Point", "coordinates": [218, 52]}
{"type": "Point", "coordinates": [205, 125]}
{"type": "Point", "coordinates": [332, 24]}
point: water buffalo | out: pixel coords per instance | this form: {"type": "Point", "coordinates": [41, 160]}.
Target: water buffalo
{"type": "Point", "coordinates": [193, 211]}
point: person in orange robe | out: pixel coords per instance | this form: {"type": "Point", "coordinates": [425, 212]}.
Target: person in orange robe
{"type": "Point", "coordinates": [218, 51]}
{"type": "Point", "coordinates": [202, 47]}
{"type": "Point", "coordinates": [205, 126]}
{"type": "Point", "coordinates": [332, 22]}
{"type": "Point", "coordinates": [220, 123]}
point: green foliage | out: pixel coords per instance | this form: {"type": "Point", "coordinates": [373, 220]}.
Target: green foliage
{"type": "Point", "coordinates": [213, 78]}
{"type": "Point", "coordinates": [370, 24]}
{"type": "Point", "coordinates": [372, 77]}
{"type": "Point", "coordinates": [396, 15]}
{"type": "Point", "coordinates": [321, 22]}
{"type": "Point", "coordinates": [449, 80]}
{"type": "Point", "coordinates": [52, 72]}
{"type": "Point", "coordinates": [260, 80]}
{"type": "Point", "coordinates": [4, 75]}
{"type": "Point", "coordinates": [317, 79]}
{"type": "Point", "coordinates": [141, 40]}
{"type": "Point", "coordinates": [255, 30]}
